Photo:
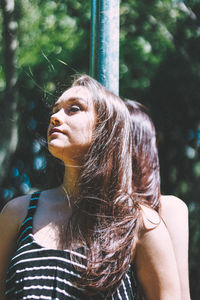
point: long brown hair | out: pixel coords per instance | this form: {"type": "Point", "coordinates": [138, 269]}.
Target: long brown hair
{"type": "Point", "coordinates": [106, 213]}
{"type": "Point", "coordinates": [145, 162]}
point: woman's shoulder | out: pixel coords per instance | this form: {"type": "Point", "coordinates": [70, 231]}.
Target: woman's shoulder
{"type": "Point", "coordinates": [152, 229]}
{"type": "Point", "coordinates": [16, 209]}
{"type": "Point", "coordinates": [171, 205]}
{"type": "Point", "coordinates": [149, 218]}
{"type": "Point", "coordinates": [154, 258]}
{"type": "Point", "coordinates": [11, 217]}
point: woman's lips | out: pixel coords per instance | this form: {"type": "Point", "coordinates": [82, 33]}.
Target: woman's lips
{"type": "Point", "coordinates": [55, 131]}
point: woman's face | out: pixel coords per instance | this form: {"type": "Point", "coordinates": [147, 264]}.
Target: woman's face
{"type": "Point", "coordinates": [71, 125]}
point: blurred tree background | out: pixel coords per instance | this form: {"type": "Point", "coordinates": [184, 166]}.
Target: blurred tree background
{"type": "Point", "coordinates": [44, 43]}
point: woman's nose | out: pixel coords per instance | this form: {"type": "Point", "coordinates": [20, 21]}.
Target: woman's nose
{"type": "Point", "coordinates": [56, 119]}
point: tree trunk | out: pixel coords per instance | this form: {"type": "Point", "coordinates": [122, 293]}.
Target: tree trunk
{"type": "Point", "coordinates": [9, 114]}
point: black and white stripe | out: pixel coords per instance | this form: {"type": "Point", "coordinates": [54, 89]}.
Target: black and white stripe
{"type": "Point", "coordinates": [36, 272]}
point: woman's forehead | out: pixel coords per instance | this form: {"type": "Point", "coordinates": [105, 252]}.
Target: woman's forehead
{"type": "Point", "coordinates": [76, 92]}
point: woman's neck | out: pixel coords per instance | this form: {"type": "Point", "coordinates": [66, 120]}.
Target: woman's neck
{"type": "Point", "coordinates": [70, 181]}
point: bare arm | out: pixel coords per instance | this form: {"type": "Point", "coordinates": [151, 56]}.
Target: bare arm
{"type": "Point", "coordinates": [10, 221]}
{"type": "Point", "coordinates": [155, 261]}
{"type": "Point", "coordinates": [175, 215]}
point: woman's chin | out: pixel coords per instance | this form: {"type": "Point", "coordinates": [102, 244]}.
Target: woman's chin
{"type": "Point", "coordinates": [55, 150]}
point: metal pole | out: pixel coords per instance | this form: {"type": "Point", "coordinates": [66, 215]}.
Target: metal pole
{"type": "Point", "coordinates": [104, 61]}
{"type": "Point", "coordinates": [94, 37]}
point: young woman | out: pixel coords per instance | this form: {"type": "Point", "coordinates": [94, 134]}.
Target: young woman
{"type": "Point", "coordinates": [83, 239]}
{"type": "Point", "coordinates": [146, 182]}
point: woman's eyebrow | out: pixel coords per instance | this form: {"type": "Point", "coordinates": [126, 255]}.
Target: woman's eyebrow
{"type": "Point", "coordinates": [69, 100]}
{"type": "Point", "coordinates": [77, 99]}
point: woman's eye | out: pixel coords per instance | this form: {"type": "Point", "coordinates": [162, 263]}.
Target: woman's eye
{"type": "Point", "coordinates": [74, 108]}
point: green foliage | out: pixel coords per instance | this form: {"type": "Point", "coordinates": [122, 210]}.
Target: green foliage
{"type": "Point", "coordinates": [53, 46]}
{"type": "Point", "coordinates": [149, 30]}
{"type": "Point", "coordinates": [159, 66]}
{"type": "Point", "coordinates": [2, 77]}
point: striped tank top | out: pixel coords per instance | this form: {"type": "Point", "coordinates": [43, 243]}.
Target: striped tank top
{"type": "Point", "coordinates": [36, 272]}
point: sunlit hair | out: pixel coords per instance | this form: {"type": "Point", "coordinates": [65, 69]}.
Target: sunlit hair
{"type": "Point", "coordinates": [145, 162]}
{"type": "Point", "coordinates": [105, 215]}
